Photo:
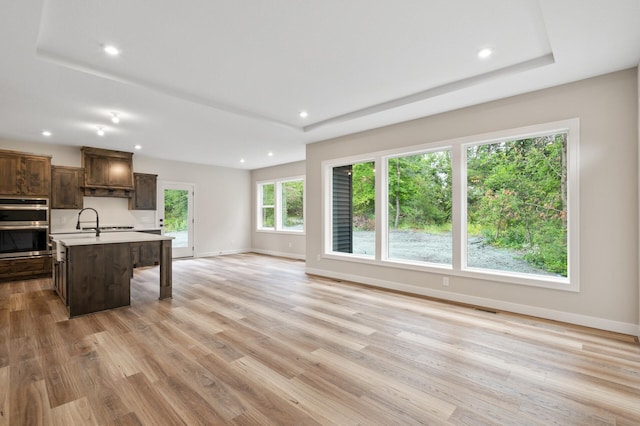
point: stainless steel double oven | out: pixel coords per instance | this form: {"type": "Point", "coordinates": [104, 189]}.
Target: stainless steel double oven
{"type": "Point", "coordinates": [24, 227]}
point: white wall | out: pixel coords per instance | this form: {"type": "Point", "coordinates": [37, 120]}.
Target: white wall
{"type": "Point", "coordinates": [277, 244]}
{"type": "Point", "coordinates": [221, 203]}
{"type": "Point", "coordinates": [608, 109]}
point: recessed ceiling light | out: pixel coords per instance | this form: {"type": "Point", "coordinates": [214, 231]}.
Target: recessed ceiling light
{"type": "Point", "coordinates": [304, 114]}
{"type": "Point", "coordinates": [138, 147]}
{"type": "Point", "coordinates": [100, 131]}
{"type": "Point", "coordinates": [242, 160]}
{"type": "Point", "coordinates": [115, 117]}
{"type": "Point", "coordinates": [270, 154]}
{"type": "Point", "coordinates": [111, 50]}
{"type": "Point", "coordinates": [46, 133]}
{"type": "Point", "coordinates": [484, 53]}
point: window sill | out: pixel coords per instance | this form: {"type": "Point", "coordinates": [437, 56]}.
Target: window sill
{"type": "Point", "coordinates": [554, 283]}
{"type": "Point", "coordinates": [273, 231]}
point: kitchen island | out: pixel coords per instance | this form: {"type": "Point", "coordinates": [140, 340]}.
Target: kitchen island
{"type": "Point", "coordinates": [93, 273]}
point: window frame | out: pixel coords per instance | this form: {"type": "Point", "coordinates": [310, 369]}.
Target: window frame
{"type": "Point", "coordinates": [278, 205]}
{"type": "Point", "coordinates": [458, 148]}
{"type": "Point", "coordinates": [261, 206]}
{"type": "Point", "coordinates": [327, 208]}
{"type": "Point", "coordinates": [385, 248]}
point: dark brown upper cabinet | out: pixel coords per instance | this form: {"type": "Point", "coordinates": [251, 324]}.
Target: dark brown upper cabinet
{"type": "Point", "coordinates": [145, 196]}
{"type": "Point", "coordinates": [66, 187]}
{"type": "Point", "coordinates": [24, 174]}
{"type": "Point", "coordinates": [107, 173]}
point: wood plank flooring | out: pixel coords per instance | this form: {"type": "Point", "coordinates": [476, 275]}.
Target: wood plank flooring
{"type": "Point", "coordinates": [251, 340]}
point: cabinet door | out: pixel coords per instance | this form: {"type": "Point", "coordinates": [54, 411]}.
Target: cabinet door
{"type": "Point", "coordinates": [96, 170]}
{"type": "Point", "coordinates": [145, 196]}
{"type": "Point", "coordinates": [120, 173]}
{"type": "Point", "coordinates": [66, 187]}
{"type": "Point", "coordinates": [9, 179]}
{"type": "Point", "coordinates": [151, 253]}
{"type": "Point", "coordinates": [145, 254]}
{"type": "Point", "coordinates": [37, 176]}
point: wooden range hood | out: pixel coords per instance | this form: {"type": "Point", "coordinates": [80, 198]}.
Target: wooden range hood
{"type": "Point", "coordinates": [107, 173]}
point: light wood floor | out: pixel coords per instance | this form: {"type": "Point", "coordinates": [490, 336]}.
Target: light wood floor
{"type": "Point", "coordinates": [250, 339]}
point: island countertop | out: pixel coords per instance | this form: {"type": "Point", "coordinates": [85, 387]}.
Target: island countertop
{"type": "Point", "coordinates": [84, 239]}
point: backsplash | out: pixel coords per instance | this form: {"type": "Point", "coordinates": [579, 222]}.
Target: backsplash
{"type": "Point", "coordinates": [112, 211]}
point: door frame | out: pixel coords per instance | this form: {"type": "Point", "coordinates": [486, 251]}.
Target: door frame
{"type": "Point", "coordinates": [178, 252]}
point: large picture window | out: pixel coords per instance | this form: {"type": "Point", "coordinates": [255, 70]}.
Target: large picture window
{"type": "Point", "coordinates": [281, 205]}
{"type": "Point", "coordinates": [500, 206]}
{"type": "Point", "coordinates": [517, 205]}
{"type": "Point", "coordinates": [419, 208]}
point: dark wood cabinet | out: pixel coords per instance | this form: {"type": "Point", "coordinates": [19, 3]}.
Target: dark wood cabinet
{"type": "Point", "coordinates": [66, 187]}
{"type": "Point", "coordinates": [145, 196]}
{"type": "Point", "coordinates": [60, 280]}
{"type": "Point", "coordinates": [22, 268]}
{"type": "Point", "coordinates": [9, 167]}
{"type": "Point", "coordinates": [145, 254]}
{"type": "Point", "coordinates": [107, 173]}
{"type": "Point", "coordinates": [98, 277]}
{"type": "Point", "coordinates": [36, 175]}
{"type": "Point", "coordinates": [24, 174]}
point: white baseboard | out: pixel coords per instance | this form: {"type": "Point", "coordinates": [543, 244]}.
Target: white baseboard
{"type": "Point", "coordinates": [259, 251]}
{"type": "Point", "coordinates": [280, 254]}
{"type": "Point", "coordinates": [222, 252]}
{"type": "Point", "coordinates": [578, 319]}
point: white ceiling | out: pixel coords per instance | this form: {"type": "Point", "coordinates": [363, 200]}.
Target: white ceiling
{"type": "Point", "coordinates": [212, 81]}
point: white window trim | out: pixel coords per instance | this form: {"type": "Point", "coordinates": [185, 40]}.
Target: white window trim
{"type": "Point", "coordinates": [260, 199]}
{"type": "Point", "coordinates": [458, 151]}
{"type": "Point", "coordinates": [277, 206]}
{"type": "Point", "coordinates": [327, 208]}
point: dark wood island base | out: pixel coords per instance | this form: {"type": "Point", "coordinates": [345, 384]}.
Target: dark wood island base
{"type": "Point", "coordinates": [95, 277]}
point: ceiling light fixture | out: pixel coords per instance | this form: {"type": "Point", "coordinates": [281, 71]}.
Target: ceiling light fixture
{"type": "Point", "coordinates": [115, 117]}
{"type": "Point", "coordinates": [100, 131]}
{"type": "Point", "coordinates": [304, 114]}
{"type": "Point", "coordinates": [46, 133]}
{"type": "Point", "coordinates": [111, 50]}
{"type": "Point", "coordinates": [138, 147]}
{"type": "Point", "coordinates": [484, 53]}
{"type": "Point", "coordinates": [242, 160]}
{"type": "Point", "coordinates": [270, 154]}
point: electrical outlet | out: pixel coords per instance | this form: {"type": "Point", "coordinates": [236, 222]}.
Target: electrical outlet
{"type": "Point", "coordinates": [445, 281]}
{"type": "Point", "coordinates": [290, 245]}
{"type": "Point", "coordinates": [318, 258]}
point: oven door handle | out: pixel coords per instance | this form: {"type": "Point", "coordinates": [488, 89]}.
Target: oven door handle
{"type": "Point", "coordinates": [23, 207]}
{"type": "Point", "coordinates": [21, 227]}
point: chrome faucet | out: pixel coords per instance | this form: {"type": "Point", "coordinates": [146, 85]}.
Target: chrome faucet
{"type": "Point", "coordinates": [97, 220]}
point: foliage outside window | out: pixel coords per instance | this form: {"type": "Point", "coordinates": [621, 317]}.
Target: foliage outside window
{"type": "Point", "coordinates": [176, 205]}
{"type": "Point", "coordinates": [504, 208]}
{"type": "Point", "coordinates": [292, 195]}
{"type": "Point", "coordinates": [419, 210]}
{"type": "Point", "coordinates": [281, 205]}
{"type": "Point", "coordinates": [517, 202]}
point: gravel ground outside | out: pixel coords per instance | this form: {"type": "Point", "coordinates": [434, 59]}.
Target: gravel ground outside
{"type": "Point", "coordinates": [437, 248]}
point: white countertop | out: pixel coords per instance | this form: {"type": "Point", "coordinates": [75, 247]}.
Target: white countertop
{"type": "Point", "coordinates": [93, 231]}
{"type": "Point", "coordinates": [83, 239]}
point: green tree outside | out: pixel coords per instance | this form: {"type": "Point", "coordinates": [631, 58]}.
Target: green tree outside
{"type": "Point", "coordinates": [175, 210]}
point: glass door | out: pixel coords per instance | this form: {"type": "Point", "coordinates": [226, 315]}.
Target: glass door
{"type": "Point", "coordinates": [175, 211]}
